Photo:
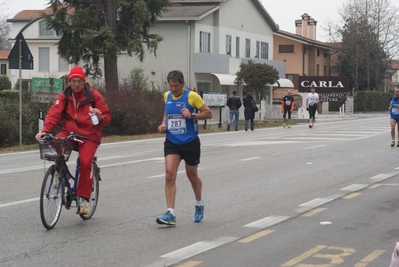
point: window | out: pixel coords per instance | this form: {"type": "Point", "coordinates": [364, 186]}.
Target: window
{"type": "Point", "coordinates": [44, 31]}
{"type": "Point", "coordinates": [264, 50]}
{"type": "Point", "coordinates": [290, 77]}
{"type": "Point", "coordinates": [318, 52]}
{"type": "Point", "coordinates": [203, 87]}
{"type": "Point", "coordinates": [237, 46]}
{"type": "Point", "coordinates": [3, 69]}
{"type": "Point", "coordinates": [325, 70]}
{"type": "Point", "coordinates": [44, 59]}
{"type": "Point", "coordinates": [63, 66]}
{"type": "Point", "coordinates": [286, 49]}
{"type": "Point", "coordinates": [257, 49]}
{"type": "Point", "coordinates": [228, 44]}
{"type": "Point", "coordinates": [247, 48]}
{"type": "Point", "coordinates": [205, 42]}
{"type": "Point", "coordinates": [318, 70]}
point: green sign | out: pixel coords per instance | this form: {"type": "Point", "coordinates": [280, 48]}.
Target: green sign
{"type": "Point", "coordinates": [46, 90]}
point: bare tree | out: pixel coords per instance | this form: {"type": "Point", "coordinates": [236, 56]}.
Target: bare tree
{"type": "Point", "coordinates": [382, 15]}
{"type": "Point", "coordinates": [4, 27]}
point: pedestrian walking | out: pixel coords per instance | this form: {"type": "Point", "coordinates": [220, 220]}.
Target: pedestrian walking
{"type": "Point", "coordinates": [182, 142]}
{"type": "Point", "coordinates": [234, 104]}
{"type": "Point", "coordinates": [249, 111]}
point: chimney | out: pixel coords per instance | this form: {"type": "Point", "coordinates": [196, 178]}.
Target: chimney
{"type": "Point", "coordinates": [306, 27]}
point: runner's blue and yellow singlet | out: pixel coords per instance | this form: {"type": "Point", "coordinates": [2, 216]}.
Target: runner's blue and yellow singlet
{"type": "Point", "coordinates": [181, 130]}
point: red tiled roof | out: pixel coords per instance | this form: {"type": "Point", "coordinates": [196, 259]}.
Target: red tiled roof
{"type": "Point", "coordinates": [4, 54]}
{"type": "Point", "coordinates": [186, 11]}
{"type": "Point", "coordinates": [32, 14]}
{"type": "Point", "coordinates": [395, 65]}
{"type": "Point", "coordinates": [304, 39]}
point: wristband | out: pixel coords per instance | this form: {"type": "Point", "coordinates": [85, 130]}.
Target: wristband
{"type": "Point", "coordinates": [193, 116]}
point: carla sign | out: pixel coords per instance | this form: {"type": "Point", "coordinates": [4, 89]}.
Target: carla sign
{"type": "Point", "coordinates": [323, 84]}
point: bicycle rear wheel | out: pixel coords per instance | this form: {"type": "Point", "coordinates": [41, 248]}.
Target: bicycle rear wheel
{"type": "Point", "coordinates": [95, 191]}
{"type": "Point", "coordinates": [51, 198]}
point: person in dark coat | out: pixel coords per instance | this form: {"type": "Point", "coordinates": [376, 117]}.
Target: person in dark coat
{"type": "Point", "coordinates": [249, 112]}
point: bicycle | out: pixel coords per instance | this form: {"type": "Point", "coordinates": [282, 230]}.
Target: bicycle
{"type": "Point", "coordinates": [59, 185]}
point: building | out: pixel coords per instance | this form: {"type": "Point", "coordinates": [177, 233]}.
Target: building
{"type": "Point", "coordinates": [4, 63]}
{"type": "Point", "coordinates": [206, 40]}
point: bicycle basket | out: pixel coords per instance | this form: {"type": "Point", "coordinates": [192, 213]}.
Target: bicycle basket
{"type": "Point", "coordinates": [54, 149]}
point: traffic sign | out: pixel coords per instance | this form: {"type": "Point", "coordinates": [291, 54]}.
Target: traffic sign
{"type": "Point", "coordinates": [19, 49]}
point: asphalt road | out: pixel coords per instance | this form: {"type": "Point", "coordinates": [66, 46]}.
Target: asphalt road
{"type": "Point", "coordinates": [256, 185]}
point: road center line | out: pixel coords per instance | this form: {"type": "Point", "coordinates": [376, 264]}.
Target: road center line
{"type": "Point", "coordinates": [18, 202]}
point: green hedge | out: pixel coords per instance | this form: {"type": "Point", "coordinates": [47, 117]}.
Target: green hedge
{"type": "Point", "coordinates": [370, 101]}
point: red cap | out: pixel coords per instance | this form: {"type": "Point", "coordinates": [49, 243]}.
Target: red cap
{"type": "Point", "coordinates": [77, 72]}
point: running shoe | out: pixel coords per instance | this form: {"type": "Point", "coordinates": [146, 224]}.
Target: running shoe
{"type": "Point", "coordinates": [199, 213]}
{"type": "Point", "coordinates": [84, 206]}
{"type": "Point", "coordinates": [283, 125]}
{"type": "Point", "coordinates": [167, 218]}
{"type": "Point", "coordinates": [289, 126]}
{"type": "Point", "coordinates": [310, 125]}
{"type": "Point", "coordinates": [392, 143]}
{"type": "Point", "coordinates": [397, 145]}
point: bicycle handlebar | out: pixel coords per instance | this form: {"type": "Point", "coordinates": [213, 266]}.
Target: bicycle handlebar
{"type": "Point", "coordinates": [71, 136]}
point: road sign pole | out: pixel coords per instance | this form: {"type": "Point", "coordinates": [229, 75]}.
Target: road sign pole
{"type": "Point", "coordinates": [20, 92]}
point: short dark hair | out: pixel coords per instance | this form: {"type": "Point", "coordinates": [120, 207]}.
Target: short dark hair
{"type": "Point", "coordinates": [176, 76]}
{"type": "Point", "coordinates": [234, 92]}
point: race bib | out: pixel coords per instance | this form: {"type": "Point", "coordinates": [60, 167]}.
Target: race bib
{"type": "Point", "coordinates": [177, 124]}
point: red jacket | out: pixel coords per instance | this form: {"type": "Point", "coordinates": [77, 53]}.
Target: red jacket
{"type": "Point", "coordinates": [77, 119]}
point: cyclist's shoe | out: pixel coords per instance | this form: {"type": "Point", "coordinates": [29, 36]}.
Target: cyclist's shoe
{"type": "Point", "coordinates": [392, 143]}
{"type": "Point", "coordinates": [283, 125]}
{"type": "Point", "coordinates": [167, 218]}
{"type": "Point", "coordinates": [84, 206]}
{"type": "Point", "coordinates": [289, 126]}
{"type": "Point", "coordinates": [199, 213]}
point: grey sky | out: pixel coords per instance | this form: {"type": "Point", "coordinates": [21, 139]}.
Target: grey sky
{"type": "Point", "coordinates": [283, 12]}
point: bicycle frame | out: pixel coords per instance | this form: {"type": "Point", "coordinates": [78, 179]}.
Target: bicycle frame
{"type": "Point", "coordinates": [66, 175]}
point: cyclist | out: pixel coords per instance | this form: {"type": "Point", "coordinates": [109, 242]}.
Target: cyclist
{"type": "Point", "coordinates": [74, 108]}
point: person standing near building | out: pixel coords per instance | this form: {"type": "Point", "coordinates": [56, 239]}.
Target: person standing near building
{"type": "Point", "coordinates": [182, 142]}
{"type": "Point", "coordinates": [249, 112]}
{"type": "Point", "coordinates": [287, 106]}
{"type": "Point", "coordinates": [312, 100]}
{"type": "Point", "coordinates": [394, 115]}
{"type": "Point", "coordinates": [234, 104]}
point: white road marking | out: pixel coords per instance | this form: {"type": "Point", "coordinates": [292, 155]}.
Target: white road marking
{"type": "Point", "coordinates": [197, 248]}
{"type": "Point", "coordinates": [268, 221]}
{"type": "Point", "coordinates": [249, 159]}
{"type": "Point", "coordinates": [18, 202]}
{"type": "Point", "coordinates": [384, 176]}
{"type": "Point", "coordinates": [355, 187]}
{"type": "Point", "coordinates": [129, 162]}
{"type": "Point", "coordinates": [314, 146]}
{"type": "Point", "coordinates": [163, 175]}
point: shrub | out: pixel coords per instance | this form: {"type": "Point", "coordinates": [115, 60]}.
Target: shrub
{"type": "Point", "coordinates": [5, 83]}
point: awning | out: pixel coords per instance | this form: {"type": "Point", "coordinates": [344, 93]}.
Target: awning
{"type": "Point", "coordinates": [225, 79]}
{"type": "Point", "coordinates": [228, 79]}
{"type": "Point", "coordinates": [283, 83]}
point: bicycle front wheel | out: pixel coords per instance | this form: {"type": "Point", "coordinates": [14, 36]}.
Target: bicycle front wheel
{"type": "Point", "coordinates": [51, 198]}
{"type": "Point", "coordinates": [95, 191]}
